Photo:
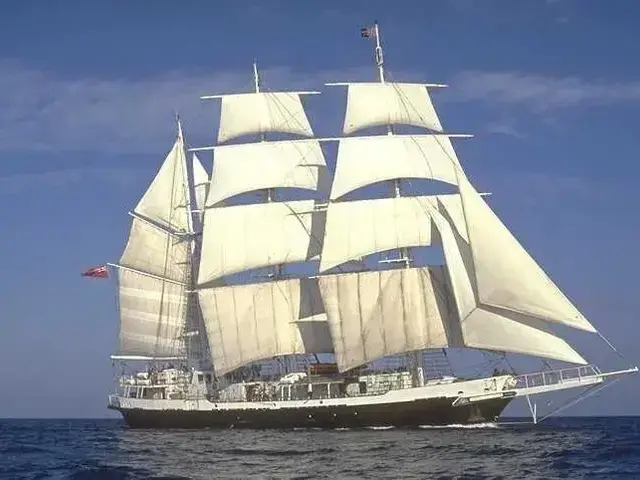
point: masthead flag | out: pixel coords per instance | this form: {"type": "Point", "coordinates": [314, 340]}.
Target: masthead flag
{"type": "Point", "coordinates": [367, 32]}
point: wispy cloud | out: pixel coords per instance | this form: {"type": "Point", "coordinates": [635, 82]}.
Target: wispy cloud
{"type": "Point", "coordinates": [540, 93]}
{"type": "Point", "coordinates": [41, 112]}
{"type": "Point", "coordinates": [119, 177]}
{"type": "Point", "coordinates": [504, 127]}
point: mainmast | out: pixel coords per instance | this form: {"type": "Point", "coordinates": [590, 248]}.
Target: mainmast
{"type": "Point", "coordinates": [404, 254]}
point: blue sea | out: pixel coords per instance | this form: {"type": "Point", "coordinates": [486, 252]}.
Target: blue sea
{"type": "Point", "coordinates": [597, 448]}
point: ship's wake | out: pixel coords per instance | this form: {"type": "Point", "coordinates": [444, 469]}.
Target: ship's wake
{"type": "Point", "coordinates": [462, 426]}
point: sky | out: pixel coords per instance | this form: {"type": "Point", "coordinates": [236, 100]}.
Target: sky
{"type": "Point", "coordinates": [88, 90]}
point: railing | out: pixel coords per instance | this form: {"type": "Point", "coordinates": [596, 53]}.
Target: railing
{"type": "Point", "coordinates": [554, 377]}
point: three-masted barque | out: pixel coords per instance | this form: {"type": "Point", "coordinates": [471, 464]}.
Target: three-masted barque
{"type": "Point", "coordinates": [274, 294]}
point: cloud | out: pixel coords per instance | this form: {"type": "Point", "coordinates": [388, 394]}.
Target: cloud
{"type": "Point", "coordinates": [45, 113]}
{"type": "Point", "coordinates": [40, 112]}
{"type": "Point", "coordinates": [539, 93]}
{"type": "Point", "coordinates": [534, 189]}
{"type": "Point", "coordinates": [503, 127]}
{"type": "Point", "coordinates": [120, 177]}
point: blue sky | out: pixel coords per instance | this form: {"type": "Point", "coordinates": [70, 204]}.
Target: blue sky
{"type": "Point", "coordinates": [550, 89]}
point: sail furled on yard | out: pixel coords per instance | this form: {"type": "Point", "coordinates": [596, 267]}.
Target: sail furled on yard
{"type": "Point", "coordinates": [154, 269]}
{"type": "Point", "coordinates": [281, 316]}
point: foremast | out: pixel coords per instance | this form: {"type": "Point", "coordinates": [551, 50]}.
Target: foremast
{"type": "Point", "coordinates": [252, 316]}
{"type": "Point", "coordinates": [159, 315]}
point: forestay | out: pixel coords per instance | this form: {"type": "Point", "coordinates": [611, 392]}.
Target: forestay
{"type": "Point", "coordinates": [247, 323]}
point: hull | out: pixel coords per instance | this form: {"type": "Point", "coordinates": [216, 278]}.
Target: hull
{"type": "Point", "coordinates": [414, 413]}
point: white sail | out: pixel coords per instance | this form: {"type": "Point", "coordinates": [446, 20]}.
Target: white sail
{"type": "Point", "coordinates": [164, 202]}
{"type": "Point", "coordinates": [506, 275]}
{"type": "Point", "coordinates": [379, 313]}
{"type": "Point", "coordinates": [358, 228]}
{"type": "Point", "coordinates": [156, 252]}
{"type": "Point", "coordinates": [155, 266]}
{"type": "Point", "coordinates": [489, 328]}
{"type": "Point", "coordinates": [260, 113]}
{"type": "Point", "coordinates": [390, 103]}
{"type": "Point", "coordinates": [201, 184]}
{"type": "Point", "coordinates": [254, 166]}
{"type": "Point", "coordinates": [152, 315]}
{"type": "Point", "coordinates": [244, 237]}
{"type": "Point", "coordinates": [247, 323]}
{"type": "Point", "coordinates": [366, 160]}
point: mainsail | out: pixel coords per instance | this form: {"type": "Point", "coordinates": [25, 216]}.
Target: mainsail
{"type": "Point", "coordinates": [154, 271]}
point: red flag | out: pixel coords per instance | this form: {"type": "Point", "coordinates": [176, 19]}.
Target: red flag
{"type": "Point", "coordinates": [367, 32]}
{"type": "Point", "coordinates": [98, 272]}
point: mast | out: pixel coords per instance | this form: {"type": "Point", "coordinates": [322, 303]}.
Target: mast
{"type": "Point", "coordinates": [250, 320]}
{"type": "Point", "coordinates": [155, 269]}
{"type": "Point", "coordinates": [194, 329]}
{"type": "Point", "coordinates": [378, 57]}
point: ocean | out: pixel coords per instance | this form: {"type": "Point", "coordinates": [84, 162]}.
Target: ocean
{"type": "Point", "coordinates": [569, 447]}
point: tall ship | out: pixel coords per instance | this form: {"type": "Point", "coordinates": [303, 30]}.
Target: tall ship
{"type": "Point", "coordinates": [323, 282]}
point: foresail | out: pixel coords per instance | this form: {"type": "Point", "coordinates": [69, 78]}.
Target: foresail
{"type": "Point", "coordinates": [154, 271]}
{"type": "Point", "coordinates": [243, 237]}
{"type": "Point", "coordinates": [390, 103]}
{"type": "Point", "coordinates": [247, 323]}
{"type": "Point", "coordinates": [152, 315]}
{"type": "Point", "coordinates": [260, 113]}
{"type": "Point", "coordinates": [254, 166]}
{"type": "Point", "coordinates": [378, 313]}
{"type": "Point", "coordinates": [487, 327]}
{"type": "Point", "coordinates": [164, 202]}
{"type": "Point", "coordinates": [156, 252]}
{"type": "Point", "coordinates": [507, 277]}
{"type": "Point", "coordinates": [366, 160]}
